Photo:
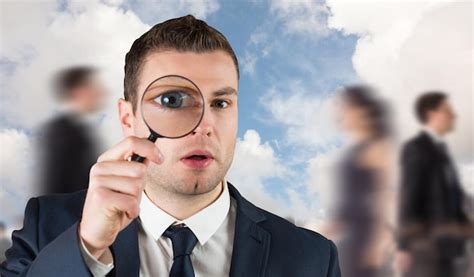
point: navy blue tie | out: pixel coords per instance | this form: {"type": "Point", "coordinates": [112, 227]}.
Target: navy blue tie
{"type": "Point", "coordinates": [183, 241]}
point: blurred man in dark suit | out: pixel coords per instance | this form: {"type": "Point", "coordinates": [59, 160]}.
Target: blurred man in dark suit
{"type": "Point", "coordinates": [68, 145]}
{"type": "Point", "coordinates": [433, 226]}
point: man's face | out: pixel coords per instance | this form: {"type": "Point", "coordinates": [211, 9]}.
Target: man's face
{"type": "Point", "coordinates": [91, 95]}
{"type": "Point", "coordinates": [443, 118]}
{"type": "Point", "coordinates": [181, 172]}
{"type": "Point", "coordinates": [350, 117]}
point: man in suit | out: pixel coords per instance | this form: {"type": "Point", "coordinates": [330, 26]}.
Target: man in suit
{"type": "Point", "coordinates": [433, 226]}
{"type": "Point", "coordinates": [174, 214]}
{"type": "Point", "coordinates": [68, 148]}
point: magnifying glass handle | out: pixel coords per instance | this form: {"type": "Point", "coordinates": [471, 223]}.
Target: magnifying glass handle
{"type": "Point", "coordinates": [152, 137]}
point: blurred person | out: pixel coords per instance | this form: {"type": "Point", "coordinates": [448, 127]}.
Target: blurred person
{"type": "Point", "coordinates": [5, 241]}
{"type": "Point", "coordinates": [175, 214]}
{"type": "Point", "coordinates": [361, 217]}
{"type": "Point", "coordinates": [68, 145]}
{"type": "Point", "coordinates": [433, 227]}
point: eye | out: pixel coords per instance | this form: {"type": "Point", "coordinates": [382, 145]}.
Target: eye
{"type": "Point", "coordinates": [173, 99]}
{"type": "Point", "coordinates": [220, 104]}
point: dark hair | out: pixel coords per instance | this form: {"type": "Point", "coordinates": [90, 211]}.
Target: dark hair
{"type": "Point", "coordinates": [182, 34]}
{"type": "Point", "coordinates": [428, 101]}
{"type": "Point", "coordinates": [364, 96]}
{"type": "Point", "coordinates": [71, 78]}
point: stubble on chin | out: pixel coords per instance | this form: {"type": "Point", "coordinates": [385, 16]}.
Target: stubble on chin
{"type": "Point", "coordinates": [188, 184]}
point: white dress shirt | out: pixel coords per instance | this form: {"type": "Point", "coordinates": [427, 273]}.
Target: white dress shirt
{"type": "Point", "coordinates": [213, 226]}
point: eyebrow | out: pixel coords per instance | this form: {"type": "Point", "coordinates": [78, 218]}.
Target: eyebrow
{"type": "Point", "coordinates": [224, 91]}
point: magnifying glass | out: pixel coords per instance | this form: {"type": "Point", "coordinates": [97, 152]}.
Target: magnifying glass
{"type": "Point", "coordinates": [172, 106]}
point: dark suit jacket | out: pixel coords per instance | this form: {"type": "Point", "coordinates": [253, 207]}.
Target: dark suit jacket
{"type": "Point", "coordinates": [430, 190]}
{"type": "Point", "coordinates": [67, 152]}
{"type": "Point", "coordinates": [264, 244]}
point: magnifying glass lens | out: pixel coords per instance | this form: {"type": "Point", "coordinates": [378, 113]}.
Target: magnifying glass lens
{"type": "Point", "coordinates": [172, 106]}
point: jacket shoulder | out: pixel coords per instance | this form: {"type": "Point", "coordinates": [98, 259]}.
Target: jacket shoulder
{"type": "Point", "coordinates": [281, 230]}
{"type": "Point", "coordinates": [419, 142]}
{"type": "Point", "coordinates": [64, 203]}
{"type": "Point", "coordinates": [279, 226]}
{"type": "Point", "coordinates": [47, 245]}
{"type": "Point", "coordinates": [316, 254]}
{"type": "Point", "coordinates": [59, 211]}
{"type": "Point", "coordinates": [418, 146]}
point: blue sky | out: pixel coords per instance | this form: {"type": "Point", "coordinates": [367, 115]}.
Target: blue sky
{"type": "Point", "coordinates": [293, 56]}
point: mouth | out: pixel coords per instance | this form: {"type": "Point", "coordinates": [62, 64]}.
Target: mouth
{"type": "Point", "coordinates": [198, 159]}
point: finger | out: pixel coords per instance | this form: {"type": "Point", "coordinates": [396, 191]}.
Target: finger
{"type": "Point", "coordinates": [119, 168]}
{"type": "Point", "coordinates": [126, 185]}
{"type": "Point", "coordinates": [130, 145]}
{"type": "Point", "coordinates": [117, 203]}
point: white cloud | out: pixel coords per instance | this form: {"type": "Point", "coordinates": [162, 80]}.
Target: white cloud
{"type": "Point", "coordinates": [258, 46]}
{"type": "Point", "coordinates": [467, 181]}
{"type": "Point", "coordinates": [321, 171]}
{"type": "Point", "coordinates": [309, 119]}
{"type": "Point", "coordinates": [254, 163]}
{"type": "Point", "coordinates": [407, 47]}
{"type": "Point", "coordinates": [467, 177]}
{"type": "Point", "coordinates": [248, 63]}
{"type": "Point", "coordinates": [114, 2]}
{"type": "Point", "coordinates": [16, 166]}
{"type": "Point", "coordinates": [307, 17]}
{"type": "Point", "coordinates": [199, 8]}
{"type": "Point", "coordinates": [154, 11]}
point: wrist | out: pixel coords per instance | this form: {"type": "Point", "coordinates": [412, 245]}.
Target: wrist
{"type": "Point", "coordinates": [96, 252]}
{"type": "Point", "coordinates": [102, 255]}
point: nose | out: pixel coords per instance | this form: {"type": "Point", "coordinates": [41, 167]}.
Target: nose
{"type": "Point", "coordinates": [205, 127]}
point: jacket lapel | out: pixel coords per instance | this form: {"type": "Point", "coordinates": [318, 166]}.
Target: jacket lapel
{"type": "Point", "coordinates": [251, 242]}
{"type": "Point", "coordinates": [126, 252]}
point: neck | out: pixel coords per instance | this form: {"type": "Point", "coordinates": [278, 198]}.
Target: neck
{"type": "Point", "coordinates": [182, 206]}
{"type": "Point", "coordinates": [76, 107]}
{"type": "Point", "coordinates": [360, 135]}
{"type": "Point", "coordinates": [435, 130]}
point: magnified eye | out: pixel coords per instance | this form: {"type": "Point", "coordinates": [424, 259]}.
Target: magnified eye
{"type": "Point", "coordinates": [173, 99]}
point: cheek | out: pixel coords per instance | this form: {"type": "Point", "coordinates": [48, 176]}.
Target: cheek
{"type": "Point", "coordinates": [438, 118]}
{"type": "Point", "coordinates": [168, 147]}
{"type": "Point", "coordinates": [448, 118]}
{"type": "Point", "coordinates": [140, 128]}
{"type": "Point", "coordinates": [344, 117]}
{"type": "Point", "coordinates": [226, 129]}
{"type": "Point", "coordinates": [228, 148]}
{"type": "Point", "coordinates": [227, 126]}
{"type": "Point", "coordinates": [349, 118]}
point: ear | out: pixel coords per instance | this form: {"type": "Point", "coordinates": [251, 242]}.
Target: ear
{"type": "Point", "coordinates": [126, 117]}
{"type": "Point", "coordinates": [429, 115]}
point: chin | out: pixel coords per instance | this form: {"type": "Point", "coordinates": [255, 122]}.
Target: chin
{"type": "Point", "coordinates": [451, 129]}
{"type": "Point", "coordinates": [198, 185]}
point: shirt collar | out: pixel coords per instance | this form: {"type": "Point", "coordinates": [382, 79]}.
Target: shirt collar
{"type": "Point", "coordinates": [203, 224]}
{"type": "Point", "coordinates": [433, 135]}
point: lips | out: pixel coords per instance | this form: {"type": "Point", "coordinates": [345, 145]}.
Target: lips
{"type": "Point", "coordinates": [198, 159]}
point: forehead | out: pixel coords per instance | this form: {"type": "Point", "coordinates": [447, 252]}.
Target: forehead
{"type": "Point", "coordinates": [210, 71]}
